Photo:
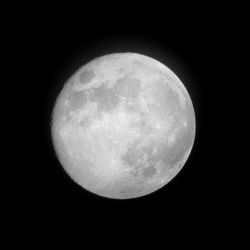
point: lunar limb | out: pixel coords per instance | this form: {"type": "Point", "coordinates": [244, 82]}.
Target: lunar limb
{"type": "Point", "coordinates": [123, 126]}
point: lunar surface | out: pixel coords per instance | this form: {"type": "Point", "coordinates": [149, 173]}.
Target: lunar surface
{"type": "Point", "coordinates": [123, 126]}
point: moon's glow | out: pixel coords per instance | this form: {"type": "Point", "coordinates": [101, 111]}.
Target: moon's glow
{"type": "Point", "coordinates": [123, 126]}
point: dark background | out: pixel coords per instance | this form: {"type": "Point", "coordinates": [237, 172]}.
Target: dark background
{"type": "Point", "coordinates": [50, 43]}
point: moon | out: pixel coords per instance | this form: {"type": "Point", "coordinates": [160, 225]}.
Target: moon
{"type": "Point", "coordinates": [123, 126]}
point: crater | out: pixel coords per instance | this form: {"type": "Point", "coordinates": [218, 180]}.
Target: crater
{"type": "Point", "coordinates": [86, 76]}
{"type": "Point", "coordinates": [172, 156]}
{"type": "Point", "coordinates": [149, 172]}
{"type": "Point", "coordinates": [131, 191]}
{"type": "Point", "coordinates": [174, 86]}
{"type": "Point", "coordinates": [77, 99]}
{"type": "Point", "coordinates": [174, 99]}
{"type": "Point", "coordinates": [106, 99]}
{"type": "Point", "coordinates": [128, 87]}
{"type": "Point", "coordinates": [85, 121]}
{"type": "Point", "coordinates": [135, 156]}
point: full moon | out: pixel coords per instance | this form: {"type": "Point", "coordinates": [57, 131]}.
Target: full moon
{"type": "Point", "coordinates": [123, 126]}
